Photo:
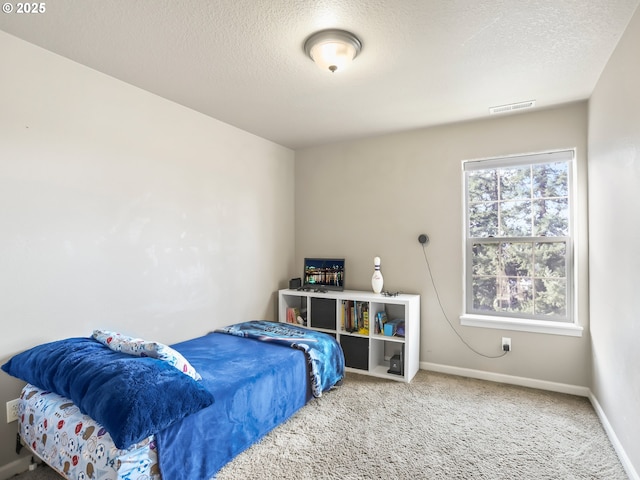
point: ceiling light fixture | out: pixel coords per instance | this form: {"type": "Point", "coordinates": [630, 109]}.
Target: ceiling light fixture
{"type": "Point", "coordinates": [332, 49]}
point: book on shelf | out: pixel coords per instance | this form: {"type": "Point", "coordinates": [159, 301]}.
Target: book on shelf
{"type": "Point", "coordinates": [355, 317]}
{"type": "Point", "coordinates": [348, 322]}
{"type": "Point", "coordinates": [380, 320]}
{"type": "Point", "coordinates": [363, 318]}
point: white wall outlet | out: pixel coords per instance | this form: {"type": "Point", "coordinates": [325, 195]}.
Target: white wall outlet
{"type": "Point", "coordinates": [506, 344]}
{"type": "Point", "coordinates": [12, 410]}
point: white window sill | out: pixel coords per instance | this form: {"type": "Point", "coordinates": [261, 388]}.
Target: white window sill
{"type": "Point", "coordinates": [523, 325]}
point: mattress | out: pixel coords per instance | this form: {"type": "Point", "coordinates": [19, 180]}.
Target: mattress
{"type": "Point", "coordinates": [75, 445]}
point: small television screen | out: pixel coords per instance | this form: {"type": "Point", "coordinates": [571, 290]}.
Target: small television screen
{"type": "Point", "coordinates": [324, 273]}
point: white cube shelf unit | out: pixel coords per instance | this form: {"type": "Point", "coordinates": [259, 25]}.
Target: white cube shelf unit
{"type": "Point", "coordinates": [342, 314]}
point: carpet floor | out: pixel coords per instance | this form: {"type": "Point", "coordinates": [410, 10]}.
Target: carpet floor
{"type": "Point", "coordinates": [437, 427]}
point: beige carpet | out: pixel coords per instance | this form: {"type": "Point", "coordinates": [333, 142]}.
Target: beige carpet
{"type": "Point", "coordinates": [436, 427]}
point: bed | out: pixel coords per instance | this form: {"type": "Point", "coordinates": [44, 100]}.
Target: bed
{"type": "Point", "coordinates": [112, 407]}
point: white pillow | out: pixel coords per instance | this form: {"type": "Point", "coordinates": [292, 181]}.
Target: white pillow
{"type": "Point", "coordinates": [144, 348]}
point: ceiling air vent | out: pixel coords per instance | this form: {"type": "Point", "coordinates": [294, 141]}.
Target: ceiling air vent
{"type": "Point", "coordinates": [513, 107]}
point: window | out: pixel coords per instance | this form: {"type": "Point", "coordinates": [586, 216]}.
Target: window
{"type": "Point", "coordinates": [519, 243]}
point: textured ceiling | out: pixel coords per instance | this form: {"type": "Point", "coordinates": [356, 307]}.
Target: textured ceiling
{"type": "Point", "coordinates": [424, 62]}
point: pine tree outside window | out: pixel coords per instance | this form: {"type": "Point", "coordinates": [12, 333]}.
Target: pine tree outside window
{"type": "Point", "coordinates": [519, 263]}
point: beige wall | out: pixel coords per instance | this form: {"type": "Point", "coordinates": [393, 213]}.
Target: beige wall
{"type": "Point", "coordinates": [121, 210]}
{"type": "Point", "coordinates": [375, 196]}
{"type": "Point", "coordinates": [614, 201]}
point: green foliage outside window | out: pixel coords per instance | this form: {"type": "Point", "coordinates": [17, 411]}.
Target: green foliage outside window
{"type": "Point", "coordinates": [518, 240]}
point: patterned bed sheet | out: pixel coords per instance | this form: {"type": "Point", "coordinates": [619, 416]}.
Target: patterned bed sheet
{"type": "Point", "coordinates": [77, 446]}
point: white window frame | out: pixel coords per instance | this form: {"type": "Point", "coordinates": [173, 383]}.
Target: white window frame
{"type": "Point", "coordinates": [520, 322]}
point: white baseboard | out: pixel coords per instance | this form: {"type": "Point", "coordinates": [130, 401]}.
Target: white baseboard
{"type": "Point", "coordinates": [544, 385]}
{"type": "Point", "coordinates": [508, 379]}
{"type": "Point", "coordinates": [622, 455]}
{"type": "Point", "coordinates": [17, 466]}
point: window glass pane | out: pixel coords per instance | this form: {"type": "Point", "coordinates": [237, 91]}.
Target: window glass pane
{"type": "Point", "coordinates": [517, 259]}
{"type": "Point", "coordinates": [513, 294]}
{"type": "Point", "coordinates": [515, 219]}
{"type": "Point", "coordinates": [550, 259]}
{"type": "Point", "coordinates": [515, 183]}
{"type": "Point", "coordinates": [551, 180]}
{"type": "Point", "coordinates": [483, 186]}
{"type": "Point", "coordinates": [515, 289]}
{"type": "Point", "coordinates": [483, 220]}
{"type": "Point", "coordinates": [484, 293]}
{"type": "Point", "coordinates": [551, 217]}
{"type": "Point", "coordinates": [551, 296]}
{"type": "Point", "coordinates": [520, 295]}
{"type": "Point", "coordinates": [485, 259]}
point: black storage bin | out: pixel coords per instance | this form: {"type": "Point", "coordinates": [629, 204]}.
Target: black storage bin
{"type": "Point", "coordinates": [356, 351]}
{"type": "Point", "coordinates": [323, 313]}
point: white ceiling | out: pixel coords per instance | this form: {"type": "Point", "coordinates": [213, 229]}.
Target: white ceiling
{"type": "Point", "coordinates": [424, 62]}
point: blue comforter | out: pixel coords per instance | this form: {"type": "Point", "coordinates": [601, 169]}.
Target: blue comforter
{"type": "Point", "coordinates": [324, 356]}
{"type": "Point", "coordinates": [257, 385]}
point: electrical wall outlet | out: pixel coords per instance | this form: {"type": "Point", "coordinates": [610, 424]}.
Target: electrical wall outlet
{"type": "Point", "coordinates": [12, 410]}
{"type": "Point", "coordinates": [506, 344]}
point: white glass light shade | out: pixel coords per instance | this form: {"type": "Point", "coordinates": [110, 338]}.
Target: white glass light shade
{"type": "Point", "coordinates": [333, 55]}
{"type": "Point", "coordinates": [332, 50]}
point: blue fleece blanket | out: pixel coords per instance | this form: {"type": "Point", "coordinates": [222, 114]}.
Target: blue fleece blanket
{"type": "Point", "coordinates": [324, 356]}
{"type": "Point", "coordinates": [132, 397]}
{"type": "Point", "coordinates": [257, 386]}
